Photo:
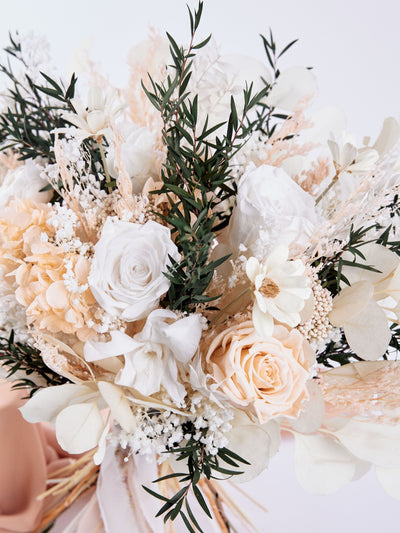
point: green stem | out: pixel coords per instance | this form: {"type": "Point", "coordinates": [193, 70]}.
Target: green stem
{"type": "Point", "coordinates": [103, 160]}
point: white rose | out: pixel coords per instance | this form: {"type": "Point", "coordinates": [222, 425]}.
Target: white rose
{"type": "Point", "coordinates": [270, 209]}
{"type": "Point", "coordinates": [127, 275]}
{"type": "Point", "coordinates": [139, 155]}
{"type": "Point", "coordinates": [24, 182]}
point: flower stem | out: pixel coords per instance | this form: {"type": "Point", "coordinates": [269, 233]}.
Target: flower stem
{"type": "Point", "coordinates": [103, 160]}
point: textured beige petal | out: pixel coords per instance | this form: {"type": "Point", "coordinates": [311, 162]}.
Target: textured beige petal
{"type": "Point", "coordinates": [368, 333]}
{"type": "Point", "coordinates": [79, 427]}
{"type": "Point", "coordinates": [350, 302]}
{"type": "Point", "coordinates": [376, 443]}
{"type": "Point", "coordinates": [322, 465]}
{"type": "Point", "coordinates": [119, 405]}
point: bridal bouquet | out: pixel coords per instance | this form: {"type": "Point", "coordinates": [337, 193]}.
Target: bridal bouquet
{"type": "Point", "coordinates": [191, 267]}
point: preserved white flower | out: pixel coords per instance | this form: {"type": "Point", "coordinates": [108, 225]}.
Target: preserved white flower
{"type": "Point", "coordinates": [24, 182]}
{"type": "Point", "coordinates": [280, 290]}
{"type": "Point", "coordinates": [152, 356]}
{"type": "Point", "coordinates": [127, 274]}
{"type": "Point", "coordinates": [270, 208]}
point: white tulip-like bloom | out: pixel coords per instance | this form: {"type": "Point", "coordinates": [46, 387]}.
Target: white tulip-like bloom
{"type": "Point", "coordinates": [127, 274]}
{"type": "Point", "coordinates": [94, 119]}
{"type": "Point", "coordinates": [358, 308]}
{"type": "Point", "coordinates": [152, 356]}
{"type": "Point", "coordinates": [280, 290]}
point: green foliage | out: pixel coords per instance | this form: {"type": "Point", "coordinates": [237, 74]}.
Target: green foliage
{"type": "Point", "coordinates": [34, 110]}
{"type": "Point", "coordinates": [267, 118]}
{"type": "Point", "coordinates": [331, 274]}
{"type": "Point", "coordinates": [199, 464]}
{"type": "Point", "coordinates": [17, 356]}
{"type": "Point", "coordinates": [337, 352]}
{"type": "Point", "coordinates": [196, 176]}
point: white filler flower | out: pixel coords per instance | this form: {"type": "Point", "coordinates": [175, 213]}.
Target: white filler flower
{"type": "Point", "coordinates": [127, 275]}
{"type": "Point", "coordinates": [280, 290]}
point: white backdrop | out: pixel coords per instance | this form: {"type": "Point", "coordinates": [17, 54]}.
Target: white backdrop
{"type": "Point", "coordinates": [354, 47]}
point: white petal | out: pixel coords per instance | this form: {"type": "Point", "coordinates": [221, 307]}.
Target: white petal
{"type": "Point", "coordinates": [252, 268]}
{"type": "Point", "coordinates": [312, 417]}
{"type": "Point", "coordinates": [183, 337]}
{"type": "Point", "coordinates": [252, 443]}
{"type": "Point", "coordinates": [376, 443]}
{"type": "Point", "coordinates": [119, 405]}
{"type": "Point", "coordinates": [119, 344]}
{"type": "Point", "coordinates": [79, 427]}
{"type": "Point", "coordinates": [368, 333]}
{"type": "Point", "coordinates": [389, 478]}
{"type": "Point", "coordinates": [377, 256]}
{"type": "Point", "coordinates": [47, 403]}
{"type": "Point", "coordinates": [278, 256]}
{"type": "Point", "coordinates": [388, 136]}
{"type": "Point", "coordinates": [98, 457]}
{"type": "Point", "coordinates": [263, 323]}
{"type": "Point", "coordinates": [350, 302]}
{"type": "Point", "coordinates": [322, 465]}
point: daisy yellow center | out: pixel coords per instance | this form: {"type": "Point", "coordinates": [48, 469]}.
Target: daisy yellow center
{"type": "Point", "coordinates": [269, 288]}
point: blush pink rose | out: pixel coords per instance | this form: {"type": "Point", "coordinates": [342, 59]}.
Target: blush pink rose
{"type": "Point", "coordinates": [263, 376]}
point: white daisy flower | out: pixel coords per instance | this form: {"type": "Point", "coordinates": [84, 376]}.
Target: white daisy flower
{"type": "Point", "coordinates": [280, 290]}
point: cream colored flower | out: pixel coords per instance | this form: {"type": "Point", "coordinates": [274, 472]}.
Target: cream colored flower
{"type": "Point", "coordinates": [94, 119]}
{"type": "Point", "coordinates": [280, 290]}
{"type": "Point", "coordinates": [153, 356]}
{"type": "Point", "coordinates": [127, 275]}
{"type": "Point", "coordinates": [266, 377]}
{"type": "Point", "coordinates": [36, 269]}
{"type": "Point", "coordinates": [358, 308]}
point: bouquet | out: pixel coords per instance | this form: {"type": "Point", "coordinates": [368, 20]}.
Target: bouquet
{"type": "Point", "coordinates": [192, 267]}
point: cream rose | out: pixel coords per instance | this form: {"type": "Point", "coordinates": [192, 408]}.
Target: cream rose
{"type": "Point", "coordinates": [127, 275]}
{"type": "Point", "coordinates": [266, 377]}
